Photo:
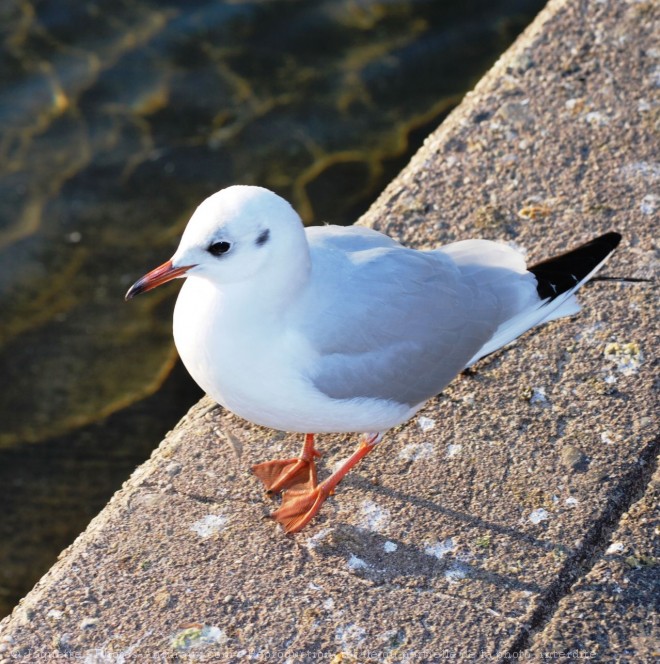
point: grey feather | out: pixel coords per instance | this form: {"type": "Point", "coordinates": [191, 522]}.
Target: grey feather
{"type": "Point", "coordinates": [399, 324]}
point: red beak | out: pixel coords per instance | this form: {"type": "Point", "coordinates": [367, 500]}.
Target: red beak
{"type": "Point", "coordinates": [162, 274]}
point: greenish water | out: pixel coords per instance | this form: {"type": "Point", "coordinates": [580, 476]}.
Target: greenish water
{"type": "Point", "coordinates": [116, 119]}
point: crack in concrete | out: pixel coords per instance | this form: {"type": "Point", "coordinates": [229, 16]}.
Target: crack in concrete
{"type": "Point", "coordinates": [630, 490]}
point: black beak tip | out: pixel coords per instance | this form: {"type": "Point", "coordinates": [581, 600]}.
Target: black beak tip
{"type": "Point", "coordinates": [134, 290]}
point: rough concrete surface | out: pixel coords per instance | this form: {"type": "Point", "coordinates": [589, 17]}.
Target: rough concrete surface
{"type": "Point", "coordinates": [614, 608]}
{"type": "Point", "coordinates": [490, 525]}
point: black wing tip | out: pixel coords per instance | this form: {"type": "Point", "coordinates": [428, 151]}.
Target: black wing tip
{"type": "Point", "coordinates": [611, 240]}
{"type": "Point", "coordinates": [561, 273]}
{"type": "Point", "coordinates": [605, 244]}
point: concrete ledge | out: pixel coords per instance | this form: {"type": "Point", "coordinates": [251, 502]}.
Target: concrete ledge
{"type": "Point", "coordinates": [475, 529]}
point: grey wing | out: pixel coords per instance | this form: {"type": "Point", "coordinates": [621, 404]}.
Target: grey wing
{"type": "Point", "coordinates": [397, 324]}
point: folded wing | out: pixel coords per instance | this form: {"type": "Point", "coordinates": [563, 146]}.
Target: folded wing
{"type": "Point", "coordinates": [399, 324]}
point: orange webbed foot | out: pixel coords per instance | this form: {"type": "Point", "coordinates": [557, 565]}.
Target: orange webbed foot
{"type": "Point", "coordinates": [303, 497]}
{"type": "Point", "coordinates": [283, 474]}
{"type": "Point", "coordinates": [299, 507]}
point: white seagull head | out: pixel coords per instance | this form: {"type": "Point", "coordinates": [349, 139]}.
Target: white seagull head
{"type": "Point", "coordinates": [234, 235]}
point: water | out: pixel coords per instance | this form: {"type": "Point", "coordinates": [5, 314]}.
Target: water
{"type": "Point", "coordinates": [116, 119]}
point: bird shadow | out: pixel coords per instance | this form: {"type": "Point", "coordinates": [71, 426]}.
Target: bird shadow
{"type": "Point", "coordinates": [380, 559]}
{"type": "Point", "coordinates": [470, 519]}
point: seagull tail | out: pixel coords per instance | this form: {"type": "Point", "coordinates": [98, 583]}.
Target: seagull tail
{"type": "Point", "coordinates": [568, 271]}
{"type": "Point", "coordinates": [557, 280]}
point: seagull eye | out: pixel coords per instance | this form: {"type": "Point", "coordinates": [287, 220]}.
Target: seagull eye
{"type": "Point", "coordinates": [219, 248]}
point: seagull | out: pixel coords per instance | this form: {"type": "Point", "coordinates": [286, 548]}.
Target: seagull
{"type": "Point", "coordinates": [334, 329]}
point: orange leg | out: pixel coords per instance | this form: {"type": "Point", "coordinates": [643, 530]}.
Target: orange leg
{"type": "Point", "coordinates": [281, 474]}
{"type": "Point", "coordinates": [300, 506]}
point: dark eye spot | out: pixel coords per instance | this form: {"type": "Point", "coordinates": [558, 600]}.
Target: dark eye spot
{"type": "Point", "coordinates": [263, 238]}
{"type": "Point", "coordinates": [219, 248]}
